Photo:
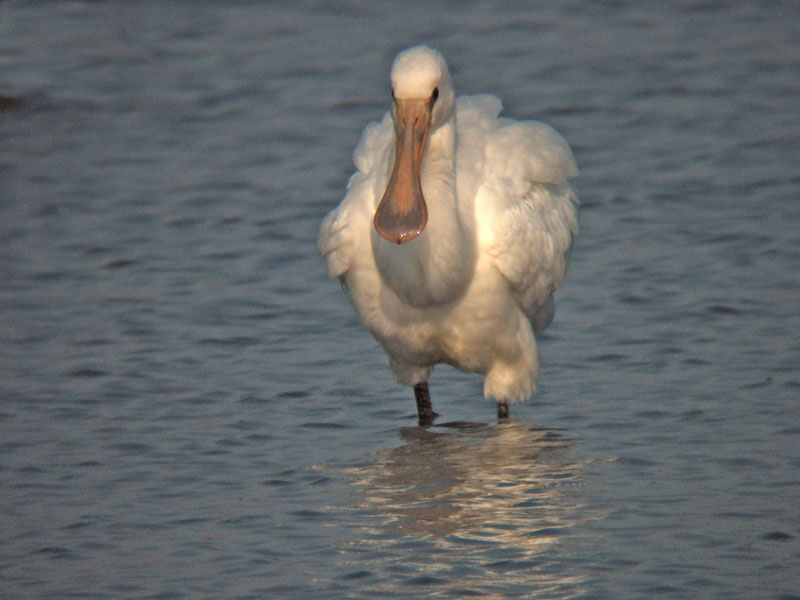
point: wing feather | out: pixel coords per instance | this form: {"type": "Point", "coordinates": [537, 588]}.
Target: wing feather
{"type": "Point", "coordinates": [531, 241]}
{"type": "Point", "coordinates": [528, 212]}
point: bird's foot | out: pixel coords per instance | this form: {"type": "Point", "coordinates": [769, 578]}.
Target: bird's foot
{"type": "Point", "coordinates": [424, 406]}
{"type": "Point", "coordinates": [502, 411]}
{"type": "Point", "coordinates": [427, 421]}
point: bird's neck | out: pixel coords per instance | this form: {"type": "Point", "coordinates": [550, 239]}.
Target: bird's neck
{"type": "Point", "coordinates": [436, 266]}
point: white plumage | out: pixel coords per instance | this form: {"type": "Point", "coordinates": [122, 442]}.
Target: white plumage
{"type": "Point", "coordinates": [455, 231]}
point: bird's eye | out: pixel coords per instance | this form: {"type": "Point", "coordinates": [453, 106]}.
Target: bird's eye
{"type": "Point", "coordinates": [435, 94]}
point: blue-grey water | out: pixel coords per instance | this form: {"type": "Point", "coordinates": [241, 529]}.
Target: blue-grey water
{"type": "Point", "coordinates": [190, 409]}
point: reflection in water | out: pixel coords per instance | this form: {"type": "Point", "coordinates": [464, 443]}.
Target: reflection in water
{"type": "Point", "coordinates": [470, 508]}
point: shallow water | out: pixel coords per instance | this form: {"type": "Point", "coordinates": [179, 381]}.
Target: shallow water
{"type": "Point", "coordinates": [190, 409]}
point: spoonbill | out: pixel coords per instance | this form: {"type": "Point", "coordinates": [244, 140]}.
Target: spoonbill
{"type": "Point", "coordinates": [454, 234]}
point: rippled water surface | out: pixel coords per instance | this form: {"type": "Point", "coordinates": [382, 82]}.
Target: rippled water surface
{"type": "Point", "coordinates": [190, 409]}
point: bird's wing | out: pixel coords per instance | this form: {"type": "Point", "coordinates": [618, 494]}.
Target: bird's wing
{"type": "Point", "coordinates": [527, 212]}
{"type": "Point", "coordinates": [338, 235]}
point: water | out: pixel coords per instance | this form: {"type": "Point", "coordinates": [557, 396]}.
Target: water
{"type": "Point", "coordinates": [189, 408]}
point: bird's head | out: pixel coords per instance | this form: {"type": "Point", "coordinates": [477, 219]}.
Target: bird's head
{"type": "Point", "coordinates": [422, 101]}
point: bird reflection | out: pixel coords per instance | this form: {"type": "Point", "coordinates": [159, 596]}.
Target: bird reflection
{"type": "Point", "coordinates": [498, 500]}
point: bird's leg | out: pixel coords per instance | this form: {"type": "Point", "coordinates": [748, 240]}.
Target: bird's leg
{"type": "Point", "coordinates": [502, 410]}
{"type": "Point", "coordinates": [424, 407]}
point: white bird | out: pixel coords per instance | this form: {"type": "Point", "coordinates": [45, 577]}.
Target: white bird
{"type": "Point", "coordinates": [455, 231]}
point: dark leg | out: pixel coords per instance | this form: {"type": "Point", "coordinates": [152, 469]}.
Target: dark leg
{"type": "Point", "coordinates": [502, 410]}
{"type": "Point", "coordinates": [424, 407]}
